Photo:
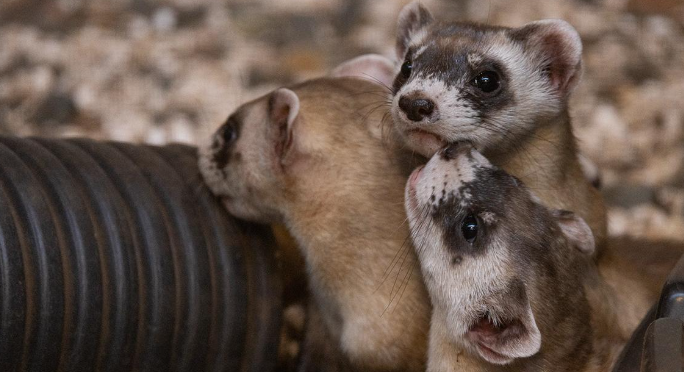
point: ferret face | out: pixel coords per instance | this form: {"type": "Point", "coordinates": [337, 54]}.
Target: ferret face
{"type": "Point", "coordinates": [292, 148]}
{"type": "Point", "coordinates": [487, 85]}
{"type": "Point", "coordinates": [489, 252]}
{"type": "Point", "coordinates": [238, 163]}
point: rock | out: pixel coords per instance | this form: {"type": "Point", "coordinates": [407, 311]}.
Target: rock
{"type": "Point", "coordinates": [165, 19]}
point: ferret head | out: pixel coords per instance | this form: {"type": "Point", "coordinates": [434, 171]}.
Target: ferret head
{"type": "Point", "coordinates": [247, 159]}
{"type": "Point", "coordinates": [487, 85]}
{"type": "Point", "coordinates": [494, 259]}
{"type": "Point", "coordinates": [287, 147]}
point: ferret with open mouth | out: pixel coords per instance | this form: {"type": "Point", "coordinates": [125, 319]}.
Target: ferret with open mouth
{"type": "Point", "coordinates": [506, 274]}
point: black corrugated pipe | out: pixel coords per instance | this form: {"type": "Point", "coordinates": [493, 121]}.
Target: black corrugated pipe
{"type": "Point", "coordinates": [115, 257]}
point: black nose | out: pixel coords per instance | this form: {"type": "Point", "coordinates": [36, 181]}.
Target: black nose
{"type": "Point", "coordinates": [416, 109]}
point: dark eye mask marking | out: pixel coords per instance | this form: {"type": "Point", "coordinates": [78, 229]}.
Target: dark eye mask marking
{"type": "Point", "coordinates": [489, 191]}
{"type": "Point", "coordinates": [224, 141]}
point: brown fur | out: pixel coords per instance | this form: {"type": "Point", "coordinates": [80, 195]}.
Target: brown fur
{"type": "Point", "coordinates": [339, 191]}
{"type": "Point", "coordinates": [547, 161]}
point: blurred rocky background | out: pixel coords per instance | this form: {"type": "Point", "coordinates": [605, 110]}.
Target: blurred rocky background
{"type": "Point", "coordinates": [162, 71]}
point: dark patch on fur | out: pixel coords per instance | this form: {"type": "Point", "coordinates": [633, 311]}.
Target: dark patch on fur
{"type": "Point", "coordinates": [488, 103]}
{"type": "Point", "coordinates": [400, 79]}
{"type": "Point", "coordinates": [524, 224]}
{"type": "Point", "coordinates": [222, 150]}
{"type": "Point", "coordinates": [455, 149]}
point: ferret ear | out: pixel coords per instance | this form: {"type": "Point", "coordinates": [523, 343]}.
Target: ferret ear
{"type": "Point", "coordinates": [515, 335]}
{"type": "Point", "coordinates": [558, 48]}
{"type": "Point", "coordinates": [576, 230]}
{"type": "Point", "coordinates": [372, 67]}
{"type": "Point", "coordinates": [283, 112]}
{"type": "Point", "coordinates": [412, 18]}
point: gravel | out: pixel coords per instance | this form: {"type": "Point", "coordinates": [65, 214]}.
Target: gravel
{"type": "Point", "coordinates": [162, 71]}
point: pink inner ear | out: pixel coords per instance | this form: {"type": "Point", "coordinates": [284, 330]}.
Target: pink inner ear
{"type": "Point", "coordinates": [560, 71]}
{"type": "Point", "coordinates": [279, 112]}
{"type": "Point", "coordinates": [564, 57]}
{"type": "Point", "coordinates": [503, 343]}
{"type": "Point", "coordinates": [487, 336]}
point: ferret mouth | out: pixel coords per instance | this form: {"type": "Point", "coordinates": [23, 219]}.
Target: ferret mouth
{"type": "Point", "coordinates": [425, 142]}
{"type": "Point", "coordinates": [485, 325]}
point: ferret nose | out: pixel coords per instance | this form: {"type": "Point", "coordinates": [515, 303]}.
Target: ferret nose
{"type": "Point", "coordinates": [416, 109]}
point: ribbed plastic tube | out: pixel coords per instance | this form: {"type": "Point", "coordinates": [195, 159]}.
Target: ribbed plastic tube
{"type": "Point", "coordinates": [115, 257]}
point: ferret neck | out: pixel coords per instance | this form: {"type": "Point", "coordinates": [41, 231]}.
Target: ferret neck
{"type": "Point", "coordinates": [544, 158]}
{"type": "Point", "coordinates": [356, 246]}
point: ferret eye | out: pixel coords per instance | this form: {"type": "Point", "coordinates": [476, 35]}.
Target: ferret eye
{"type": "Point", "coordinates": [228, 133]}
{"type": "Point", "coordinates": [469, 228]}
{"type": "Point", "coordinates": [487, 81]}
{"type": "Point", "coordinates": [406, 69]}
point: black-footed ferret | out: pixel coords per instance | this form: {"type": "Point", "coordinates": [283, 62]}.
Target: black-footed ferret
{"type": "Point", "coordinates": [506, 274]}
{"type": "Point", "coordinates": [308, 157]}
{"type": "Point", "coordinates": [503, 89]}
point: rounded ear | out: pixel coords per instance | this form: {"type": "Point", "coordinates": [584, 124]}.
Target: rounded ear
{"type": "Point", "coordinates": [514, 332]}
{"type": "Point", "coordinates": [412, 18]}
{"type": "Point", "coordinates": [283, 112]}
{"type": "Point", "coordinates": [576, 230]}
{"type": "Point", "coordinates": [373, 67]}
{"type": "Point", "coordinates": [558, 49]}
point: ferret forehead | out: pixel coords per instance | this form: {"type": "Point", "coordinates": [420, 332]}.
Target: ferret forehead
{"type": "Point", "coordinates": [484, 190]}
{"type": "Point", "coordinates": [470, 187]}
{"type": "Point", "coordinates": [469, 30]}
{"type": "Point", "coordinates": [458, 36]}
{"type": "Point", "coordinates": [476, 37]}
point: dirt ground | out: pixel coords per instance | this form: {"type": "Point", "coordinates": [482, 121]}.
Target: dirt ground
{"type": "Point", "coordinates": [156, 72]}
